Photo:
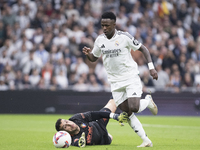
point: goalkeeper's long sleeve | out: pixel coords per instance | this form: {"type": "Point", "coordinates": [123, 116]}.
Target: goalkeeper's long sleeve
{"type": "Point", "coordinates": [96, 115]}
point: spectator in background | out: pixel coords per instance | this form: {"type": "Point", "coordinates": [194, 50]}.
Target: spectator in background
{"type": "Point", "coordinates": [187, 80]}
{"type": "Point", "coordinates": [30, 62]}
{"type": "Point", "coordinates": [42, 54]}
{"type": "Point", "coordinates": [24, 40]}
{"type": "Point", "coordinates": [23, 20]}
{"type": "Point", "coordinates": [4, 60]}
{"type": "Point", "coordinates": [96, 7]}
{"type": "Point", "coordinates": [142, 66]}
{"type": "Point", "coordinates": [61, 39]}
{"type": "Point", "coordinates": [90, 31]}
{"type": "Point", "coordinates": [86, 19]}
{"type": "Point", "coordinates": [34, 78]}
{"type": "Point", "coordinates": [60, 66]}
{"type": "Point", "coordinates": [168, 60]}
{"type": "Point", "coordinates": [196, 54]}
{"type": "Point", "coordinates": [9, 73]}
{"type": "Point", "coordinates": [77, 33]}
{"type": "Point", "coordinates": [122, 19]}
{"type": "Point", "coordinates": [49, 10]}
{"type": "Point", "coordinates": [55, 54]}
{"type": "Point", "coordinates": [9, 47]}
{"type": "Point", "coordinates": [71, 11]}
{"type": "Point", "coordinates": [79, 67]}
{"type": "Point", "coordinates": [135, 15]}
{"type": "Point", "coordinates": [163, 79]}
{"type": "Point", "coordinates": [18, 80]}
{"type": "Point", "coordinates": [17, 31]}
{"type": "Point", "coordinates": [72, 79]}
{"type": "Point", "coordinates": [2, 33]}
{"type": "Point", "coordinates": [21, 53]}
{"type": "Point", "coordinates": [3, 86]}
{"type": "Point", "coordinates": [37, 21]}
{"type": "Point", "coordinates": [101, 73]}
{"type": "Point", "coordinates": [93, 85]}
{"type": "Point", "coordinates": [47, 74]}
{"type": "Point", "coordinates": [181, 63]}
{"type": "Point", "coordinates": [38, 36]}
{"type": "Point", "coordinates": [175, 78]}
{"type": "Point", "coordinates": [17, 7]}
{"type": "Point", "coordinates": [26, 83]}
{"type": "Point", "coordinates": [9, 18]}
{"type": "Point", "coordinates": [61, 80]}
{"type": "Point", "coordinates": [42, 85]}
{"type": "Point", "coordinates": [73, 46]}
{"type": "Point", "coordinates": [47, 40]}
{"type": "Point", "coordinates": [80, 86]}
{"type": "Point", "coordinates": [147, 80]}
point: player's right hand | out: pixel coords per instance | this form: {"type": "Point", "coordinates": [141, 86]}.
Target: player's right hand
{"type": "Point", "coordinates": [82, 142]}
{"type": "Point", "coordinates": [86, 50]}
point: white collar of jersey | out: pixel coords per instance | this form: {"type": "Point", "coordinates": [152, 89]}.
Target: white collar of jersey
{"type": "Point", "coordinates": [113, 35]}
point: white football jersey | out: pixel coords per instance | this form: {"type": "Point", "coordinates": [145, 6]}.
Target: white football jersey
{"type": "Point", "coordinates": [116, 54]}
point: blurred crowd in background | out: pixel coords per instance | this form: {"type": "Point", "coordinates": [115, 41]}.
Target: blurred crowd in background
{"type": "Point", "coordinates": [41, 43]}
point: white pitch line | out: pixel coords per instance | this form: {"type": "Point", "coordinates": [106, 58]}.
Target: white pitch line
{"type": "Point", "coordinates": [160, 126]}
{"type": "Point", "coordinates": [169, 126]}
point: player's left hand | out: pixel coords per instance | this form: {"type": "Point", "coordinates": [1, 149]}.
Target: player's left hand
{"type": "Point", "coordinates": [154, 74]}
{"type": "Point", "coordinates": [82, 142]}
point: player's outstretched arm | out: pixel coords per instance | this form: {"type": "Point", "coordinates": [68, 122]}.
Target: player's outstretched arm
{"type": "Point", "coordinates": [82, 142]}
{"type": "Point", "coordinates": [96, 115]}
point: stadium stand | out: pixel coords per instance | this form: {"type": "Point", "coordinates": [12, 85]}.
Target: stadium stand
{"type": "Point", "coordinates": [41, 43]}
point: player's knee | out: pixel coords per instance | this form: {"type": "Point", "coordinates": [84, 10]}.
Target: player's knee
{"type": "Point", "coordinates": [134, 109]}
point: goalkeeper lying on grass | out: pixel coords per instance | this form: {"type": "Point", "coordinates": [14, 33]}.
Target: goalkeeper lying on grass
{"type": "Point", "coordinates": [89, 128]}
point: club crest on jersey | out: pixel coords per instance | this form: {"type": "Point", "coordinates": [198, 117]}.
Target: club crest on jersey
{"type": "Point", "coordinates": [83, 125]}
{"type": "Point", "coordinates": [116, 43]}
{"type": "Point", "coordinates": [135, 42]}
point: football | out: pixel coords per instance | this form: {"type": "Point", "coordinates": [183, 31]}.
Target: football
{"type": "Point", "coordinates": [62, 139]}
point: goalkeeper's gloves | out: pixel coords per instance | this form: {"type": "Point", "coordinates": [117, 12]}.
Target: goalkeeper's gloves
{"type": "Point", "coordinates": [82, 142]}
{"type": "Point", "coordinates": [122, 117]}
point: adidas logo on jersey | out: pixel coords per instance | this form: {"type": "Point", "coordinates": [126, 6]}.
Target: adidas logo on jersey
{"type": "Point", "coordinates": [102, 46]}
{"type": "Point", "coordinates": [134, 93]}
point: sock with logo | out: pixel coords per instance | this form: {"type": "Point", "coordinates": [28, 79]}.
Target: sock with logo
{"type": "Point", "coordinates": [137, 127]}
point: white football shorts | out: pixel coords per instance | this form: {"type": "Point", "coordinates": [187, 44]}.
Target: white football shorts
{"type": "Point", "coordinates": [124, 89]}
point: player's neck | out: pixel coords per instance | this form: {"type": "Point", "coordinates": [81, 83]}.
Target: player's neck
{"type": "Point", "coordinates": [111, 35]}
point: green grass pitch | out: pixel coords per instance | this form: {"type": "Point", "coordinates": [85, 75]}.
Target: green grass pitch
{"type": "Point", "coordinates": [35, 132]}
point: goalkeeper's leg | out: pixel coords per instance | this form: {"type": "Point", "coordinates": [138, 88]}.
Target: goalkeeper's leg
{"type": "Point", "coordinates": [111, 105]}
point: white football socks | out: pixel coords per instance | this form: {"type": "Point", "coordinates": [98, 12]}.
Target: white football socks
{"type": "Point", "coordinates": [137, 127]}
{"type": "Point", "coordinates": [143, 104]}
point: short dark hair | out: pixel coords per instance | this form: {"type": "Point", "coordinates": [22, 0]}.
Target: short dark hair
{"type": "Point", "coordinates": [109, 15]}
{"type": "Point", "coordinates": [57, 125]}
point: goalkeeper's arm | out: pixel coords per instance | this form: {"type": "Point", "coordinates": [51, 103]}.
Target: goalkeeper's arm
{"type": "Point", "coordinates": [96, 115]}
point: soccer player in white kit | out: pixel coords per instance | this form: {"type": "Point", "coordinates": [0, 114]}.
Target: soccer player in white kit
{"type": "Point", "coordinates": [126, 87]}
